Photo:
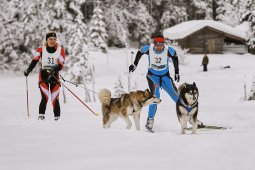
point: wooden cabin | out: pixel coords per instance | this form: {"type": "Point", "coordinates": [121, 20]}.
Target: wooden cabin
{"type": "Point", "coordinates": [206, 36]}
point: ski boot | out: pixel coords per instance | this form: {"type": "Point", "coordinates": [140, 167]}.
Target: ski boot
{"type": "Point", "coordinates": [41, 117]}
{"type": "Point", "coordinates": [57, 118]}
{"type": "Point", "coordinates": [200, 124]}
{"type": "Point", "coordinates": [149, 124]}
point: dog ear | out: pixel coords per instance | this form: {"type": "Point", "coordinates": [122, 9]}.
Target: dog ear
{"type": "Point", "coordinates": [194, 84]}
{"type": "Point", "coordinates": [147, 91]}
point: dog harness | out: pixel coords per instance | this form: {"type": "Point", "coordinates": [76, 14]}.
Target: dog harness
{"type": "Point", "coordinates": [187, 107]}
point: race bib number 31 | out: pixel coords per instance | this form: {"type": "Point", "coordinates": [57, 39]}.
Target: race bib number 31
{"type": "Point", "coordinates": [50, 60]}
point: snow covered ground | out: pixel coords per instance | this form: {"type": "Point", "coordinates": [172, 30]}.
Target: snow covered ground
{"type": "Point", "coordinates": [78, 142]}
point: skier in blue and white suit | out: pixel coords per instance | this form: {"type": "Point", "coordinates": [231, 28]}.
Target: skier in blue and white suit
{"type": "Point", "coordinates": [158, 75]}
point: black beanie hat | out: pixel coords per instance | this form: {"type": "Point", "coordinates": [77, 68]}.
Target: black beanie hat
{"type": "Point", "coordinates": [50, 34]}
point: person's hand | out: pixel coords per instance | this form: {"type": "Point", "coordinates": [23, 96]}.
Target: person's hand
{"type": "Point", "coordinates": [50, 71]}
{"type": "Point", "coordinates": [132, 68]}
{"type": "Point", "coordinates": [177, 77]}
{"type": "Point", "coordinates": [26, 72]}
{"type": "Point", "coordinates": [56, 68]}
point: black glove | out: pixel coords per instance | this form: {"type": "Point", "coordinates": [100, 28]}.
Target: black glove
{"type": "Point", "coordinates": [50, 72]}
{"type": "Point", "coordinates": [132, 68]}
{"type": "Point", "coordinates": [26, 72]}
{"type": "Point", "coordinates": [56, 68]}
{"type": "Point", "coordinates": [177, 77]}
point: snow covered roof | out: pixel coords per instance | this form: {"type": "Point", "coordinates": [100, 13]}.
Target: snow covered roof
{"type": "Point", "coordinates": [184, 29]}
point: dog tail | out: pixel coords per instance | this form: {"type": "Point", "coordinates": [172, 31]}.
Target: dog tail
{"type": "Point", "coordinates": [104, 96]}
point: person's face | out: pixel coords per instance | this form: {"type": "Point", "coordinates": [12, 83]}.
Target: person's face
{"type": "Point", "coordinates": [51, 41]}
{"type": "Point", "coordinates": [159, 46]}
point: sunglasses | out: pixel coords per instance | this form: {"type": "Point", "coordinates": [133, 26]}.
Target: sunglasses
{"type": "Point", "coordinates": [159, 44]}
{"type": "Point", "coordinates": [52, 39]}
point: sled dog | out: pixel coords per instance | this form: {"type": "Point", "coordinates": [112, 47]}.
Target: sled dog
{"type": "Point", "coordinates": [187, 106]}
{"type": "Point", "coordinates": [127, 104]}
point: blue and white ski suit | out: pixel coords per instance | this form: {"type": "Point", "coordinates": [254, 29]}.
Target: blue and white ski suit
{"type": "Point", "coordinates": [158, 72]}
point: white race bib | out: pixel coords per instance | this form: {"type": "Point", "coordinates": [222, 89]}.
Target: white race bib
{"type": "Point", "coordinates": [50, 59]}
{"type": "Point", "coordinates": [158, 61]}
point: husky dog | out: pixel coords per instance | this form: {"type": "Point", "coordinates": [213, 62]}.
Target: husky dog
{"type": "Point", "coordinates": [187, 106]}
{"type": "Point", "coordinates": [125, 105]}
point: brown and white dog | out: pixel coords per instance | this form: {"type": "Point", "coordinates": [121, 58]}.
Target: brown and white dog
{"type": "Point", "coordinates": [125, 105]}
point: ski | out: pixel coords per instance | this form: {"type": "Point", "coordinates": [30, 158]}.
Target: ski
{"type": "Point", "coordinates": [150, 130]}
{"type": "Point", "coordinates": [209, 127]}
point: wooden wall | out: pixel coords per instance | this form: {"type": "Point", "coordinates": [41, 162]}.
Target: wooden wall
{"type": "Point", "coordinates": [206, 40]}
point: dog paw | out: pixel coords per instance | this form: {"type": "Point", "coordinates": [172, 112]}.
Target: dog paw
{"type": "Point", "coordinates": [194, 132]}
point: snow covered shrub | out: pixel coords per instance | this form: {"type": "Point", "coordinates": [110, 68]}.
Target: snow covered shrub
{"type": "Point", "coordinates": [119, 87]}
{"type": "Point", "coordinates": [181, 53]}
{"type": "Point", "coordinates": [251, 45]}
{"type": "Point", "coordinates": [251, 95]}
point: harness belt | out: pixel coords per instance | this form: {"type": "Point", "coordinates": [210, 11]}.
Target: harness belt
{"type": "Point", "coordinates": [153, 66]}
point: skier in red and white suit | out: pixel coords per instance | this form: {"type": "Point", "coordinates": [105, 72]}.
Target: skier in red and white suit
{"type": "Point", "coordinates": [52, 57]}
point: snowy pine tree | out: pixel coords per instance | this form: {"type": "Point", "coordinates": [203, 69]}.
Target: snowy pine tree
{"type": "Point", "coordinates": [172, 16]}
{"type": "Point", "coordinates": [97, 31]}
{"type": "Point", "coordinates": [26, 25]}
{"type": "Point", "coordinates": [116, 23]}
{"type": "Point", "coordinates": [55, 12]}
{"type": "Point", "coordinates": [16, 34]}
{"type": "Point", "coordinates": [181, 53]}
{"type": "Point", "coordinates": [142, 25]}
{"type": "Point", "coordinates": [251, 95]}
{"type": "Point", "coordinates": [249, 16]}
{"type": "Point", "coordinates": [119, 87]}
{"type": "Point", "coordinates": [79, 68]}
{"type": "Point", "coordinates": [228, 12]}
{"type": "Point", "coordinates": [77, 50]}
{"type": "Point", "coordinates": [199, 9]}
{"type": "Point", "coordinates": [204, 8]}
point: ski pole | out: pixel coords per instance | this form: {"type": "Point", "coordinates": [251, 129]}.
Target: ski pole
{"type": "Point", "coordinates": [80, 100]}
{"type": "Point", "coordinates": [132, 54]}
{"type": "Point", "coordinates": [27, 97]}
